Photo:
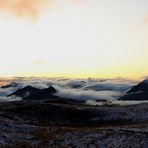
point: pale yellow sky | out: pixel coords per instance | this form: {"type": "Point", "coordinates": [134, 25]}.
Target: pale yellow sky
{"type": "Point", "coordinates": [74, 38]}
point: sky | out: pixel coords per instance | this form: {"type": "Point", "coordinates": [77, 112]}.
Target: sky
{"type": "Point", "coordinates": [74, 38]}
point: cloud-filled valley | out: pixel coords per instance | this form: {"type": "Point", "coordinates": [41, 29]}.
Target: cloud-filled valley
{"type": "Point", "coordinates": [79, 89]}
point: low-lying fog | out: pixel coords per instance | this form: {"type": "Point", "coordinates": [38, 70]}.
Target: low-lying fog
{"type": "Point", "coordinates": [82, 89]}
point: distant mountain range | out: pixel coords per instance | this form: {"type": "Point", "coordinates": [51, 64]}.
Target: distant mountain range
{"type": "Point", "coordinates": [12, 84]}
{"type": "Point", "coordinates": [45, 95]}
{"type": "Point", "coordinates": [137, 93]}
{"type": "Point", "coordinates": [32, 93]}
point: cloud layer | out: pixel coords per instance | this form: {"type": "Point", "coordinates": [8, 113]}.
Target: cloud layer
{"type": "Point", "coordinates": [80, 89]}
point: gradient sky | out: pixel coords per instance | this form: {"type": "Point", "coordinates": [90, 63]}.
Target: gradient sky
{"type": "Point", "coordinates": [74, 38]}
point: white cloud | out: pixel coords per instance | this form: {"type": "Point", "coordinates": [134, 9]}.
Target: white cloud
{"type": "Point", "coordinates": [81, 94]}
{"type": "Point", "coordinates": [83, 89]}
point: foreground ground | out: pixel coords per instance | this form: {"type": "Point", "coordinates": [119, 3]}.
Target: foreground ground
{"type": "Point", "coordinates": [47, 124]}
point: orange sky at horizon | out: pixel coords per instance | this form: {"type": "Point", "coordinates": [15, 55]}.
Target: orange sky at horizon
{"type": "Point", "coordinates": [74, 38]}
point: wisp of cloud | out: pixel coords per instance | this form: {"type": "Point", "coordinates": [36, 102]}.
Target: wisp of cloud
{"type": "Point", "coordinates": [23, 8]}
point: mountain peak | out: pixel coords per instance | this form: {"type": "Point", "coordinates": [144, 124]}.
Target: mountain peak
{"type": "Point", "coordinates": [138, 92]}
{"type": "Point", "coordinates": [26, 90]}
{"type": "Point", "coordinates": [142, 86]}
{"type": "Point", "coordinates": [51, 90]}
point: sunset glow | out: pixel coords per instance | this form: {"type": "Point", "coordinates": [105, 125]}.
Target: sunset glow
{"type": "Point", "coordinates": [72, 38]}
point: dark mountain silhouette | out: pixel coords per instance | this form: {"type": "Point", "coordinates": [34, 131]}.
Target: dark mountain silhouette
{"type": "Point", "coordinates": [43, 94]}
{"type": "Point", "coordinates": [137, 93]}
{"type": "Point", "coordinates": [12, 84]}
{"type": "Point", "coordinates": [142, 86]}
{"type": "Point", "coordinates": [24, 92]}
{"type": "Point", "coordinates": [32, 93]}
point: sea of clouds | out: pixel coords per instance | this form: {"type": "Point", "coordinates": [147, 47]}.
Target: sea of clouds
{"type": "Point", "coordinates": [81, 89]}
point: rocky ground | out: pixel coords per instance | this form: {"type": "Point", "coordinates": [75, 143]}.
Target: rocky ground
{"type": "Point", "coordinates": [49, 124]}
